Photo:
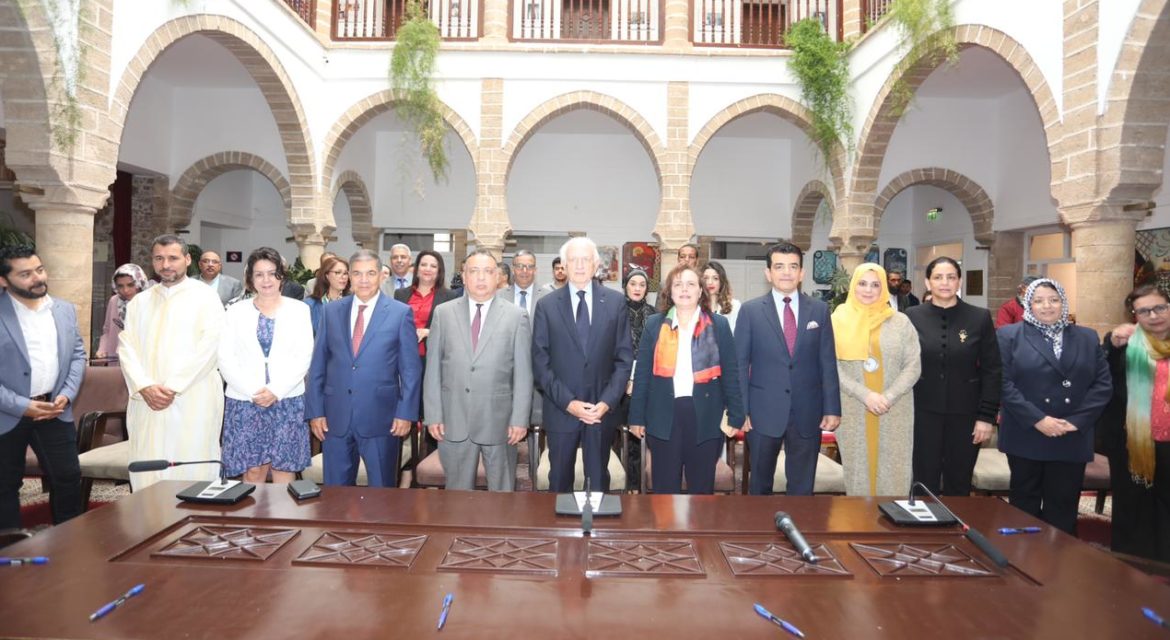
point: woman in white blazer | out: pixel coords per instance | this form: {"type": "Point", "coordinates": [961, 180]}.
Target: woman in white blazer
{"type": "Point", "coordinates": [264, 355]}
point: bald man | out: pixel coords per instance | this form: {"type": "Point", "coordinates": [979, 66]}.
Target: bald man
{"type": "Point", "coordinates": [210, 273]}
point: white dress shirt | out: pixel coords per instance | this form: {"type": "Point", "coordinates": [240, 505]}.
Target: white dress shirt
{"type": "Point", "coordinates": [525, 304]}
{"type": "Point", "coordinates": [795, 304]}
{"type": "Point", "coordinates": [684, 371]}
{"type": "Point", "coordinates": [353, 312]}
{"type": "Point", "coordinates": [575, 300]}
{"type": "Point", "coordinates": [214, 284]}
{"type": "Point", "coordinates": [40, 338]}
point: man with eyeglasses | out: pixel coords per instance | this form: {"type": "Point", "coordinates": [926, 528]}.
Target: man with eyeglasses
{"type": "Point", "coordinates": [211, 274]}
{"type": "Point", "coordinates": [524, 293]}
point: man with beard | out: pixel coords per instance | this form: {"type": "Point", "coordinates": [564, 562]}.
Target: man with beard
{"type": "Point", "coordinates": [168, 353]}
{"type": "Point", "coordinates": [44, 362]}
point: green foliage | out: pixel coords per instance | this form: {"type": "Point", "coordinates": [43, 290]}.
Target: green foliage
{"type": "Point", "coordinates": [840, 287]}
{"type": "Point", "coordinates": [928, 38]}
{"type": "Point", "coordinates": [822, 70]}
{"type": "Point", "coordinates": [10, 236]}
{"type": "Point", "coordinates": [68, 74]}
{"type": "Point", "coordinates": [299, 273]}
{"type": "Point", "coordinates": [412, 68]}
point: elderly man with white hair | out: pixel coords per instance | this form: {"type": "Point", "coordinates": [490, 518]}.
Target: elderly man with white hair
{"type": "Point", "coordinates": [581, 360]}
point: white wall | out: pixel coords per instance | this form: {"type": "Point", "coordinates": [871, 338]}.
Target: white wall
{"type": "Point", "coordinates": [1023, 191]}
{"type": "Point", "coordinates": [1161, 215]}
{"type": "Point", "coordinates": [147, 138]}
{"type": "Point", "coordinates": [407, 197]}
{"type": "Point", "coordinates": [215, 120]}
{"type": "Point", "coordinates": [736, 191]}
{"type": "Point", "coordinates": [344, 245]}
{"type": "Point", "coordinates": [953, 225]}
{"type": "Point", "coordinates": [241, 211]}
{"type": "Point", "coordinates": [600, 183]}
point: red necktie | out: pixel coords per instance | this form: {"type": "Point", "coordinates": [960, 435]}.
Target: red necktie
{"type": "Point", "coordinates": [475, 325]}
{"type": "Point", "coordinates": [789, 326]}
{"type": "Point", "coordinates": [359, 329]}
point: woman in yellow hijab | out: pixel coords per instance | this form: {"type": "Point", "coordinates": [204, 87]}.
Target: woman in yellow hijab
{"type": "Point", "coordinates": [878, 364]}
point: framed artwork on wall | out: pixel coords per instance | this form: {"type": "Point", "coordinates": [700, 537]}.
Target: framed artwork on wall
{"type": "Point", "coordinates": [644, 256]}
{"type": "Point", "coordinates": [974, 280]}
{"type": "Point", "coordinates": [895, 260]}
{"type": "Point", "coordinates": [608, 271]}
{"type": "Point", "coordinates": [824, 265]}
{"type": "Point", "coordinates": [873, 255]}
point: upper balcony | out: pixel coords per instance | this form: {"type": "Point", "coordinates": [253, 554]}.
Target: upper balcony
{"type": "Point", "coordinates": [711, 23]}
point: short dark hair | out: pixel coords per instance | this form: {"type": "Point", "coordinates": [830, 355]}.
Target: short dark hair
{"type": "Point", "coordinates": [785, 248]}
{"type": "Point", "coordinates": [482, 252]}
{"type": "Point", "coordinates": [506, 270]}
{"type": "Point", "coordinates": [1141, 291]}
{"type": "Point", "coordinates": [440, 278]}
{"type": "Point", "coordinates": [264, 253]}
{"type": "Point", "coordinates": [15, 252]}
{"type": "Point", "coordinates": [168, 239]}
{"type": "Point", "coordinates": [943, 260]}
{"type": "Point", "coordinates": [556, 261]}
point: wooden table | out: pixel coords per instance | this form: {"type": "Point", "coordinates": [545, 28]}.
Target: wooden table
{"type": "Point", "coordinates": [364, 563]}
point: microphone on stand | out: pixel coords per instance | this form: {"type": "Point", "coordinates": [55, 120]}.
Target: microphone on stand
{"type": "Point", "coordinates": [587, 511]}
{"type": "Point", "coordinates": [784, 523]}
{"type": "Point", "coordinates": [220, 491]}
{"type": "Point", "coordinates": [976, 538]}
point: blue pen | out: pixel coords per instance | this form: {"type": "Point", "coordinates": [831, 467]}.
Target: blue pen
{"type": "Point", "coordinates": [784, 624]}
{"type": "Point", "coordinates": [1011, 531]}
{"type": "Point", "coordinates": [1155, 618]}
{"type": "Point", "coordinates": [446, 609]}
{"type": "Point", "coordinates": [104, 611]}
{"type": "Point", "coordinates": [16, 562]}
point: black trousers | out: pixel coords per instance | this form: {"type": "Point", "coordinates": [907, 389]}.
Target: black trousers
{"type": "Point", "coordinates": [800, 462]}
{"type": "Point", "coordinates": [943, 451]}
{"type": "Point", "coordinates": [595, 441]}
{"type": "Point", "coordinates": [682, 453]}
{"type": "Point", "coordinates": [1141, 515]}
{"type": "Point", "coordinates": [1047, 489]}
{"type": "Point", "coordinates": [55, 443]}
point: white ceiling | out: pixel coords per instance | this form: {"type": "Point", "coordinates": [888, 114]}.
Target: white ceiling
{"type": "Point", "coordinates": [199, 62]}
{"type": "Point", "coordinates": [979, 73]}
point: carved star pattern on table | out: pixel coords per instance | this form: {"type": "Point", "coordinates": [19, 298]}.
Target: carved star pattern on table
{"type": "Point", "coordinates": [643, 558]}
{"type": "Point", "coordinates": [363, 548]}
{"type": "Point", "coordinates": [507, 555]}
{"type": "Point", "coordinates": [229, 543]}
{"type": "Point", "coordinates": [772, 559]}
{"type": "Point", "coordinates": [905, 560]}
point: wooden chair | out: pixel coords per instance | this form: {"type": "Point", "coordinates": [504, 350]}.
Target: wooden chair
{"type": "Point", "coordinates": [99, 459]}
{"type": "Point", "coordinates": [428, 473]}
{"type": "Point", "coordinates": [829, 479]}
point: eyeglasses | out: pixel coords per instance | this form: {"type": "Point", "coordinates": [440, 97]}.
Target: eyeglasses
{"type": "Point", "coordinates": [1156, 310]}
{"type": "Point", "coordinates": [523, 267]}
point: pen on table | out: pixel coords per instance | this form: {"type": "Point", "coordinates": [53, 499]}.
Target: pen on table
{"type": "Point", "coordinates": [1155, 618]}
{"type": "Point", "coordinates": [1011, 531]}
{"type": "Point", "coordinates": [101, 613]}
{"type": "Point", "coordinates": [784, 624]}
{"type": "Point", "coordinates": [16, 562]}
{"type": "Point", "coordinates": [446, 609]}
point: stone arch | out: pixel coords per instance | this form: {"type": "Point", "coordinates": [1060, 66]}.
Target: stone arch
{"type": "Point", "coordinates": [195, 178]}
{"type": "Point", "coordinates": [373, 106]}
{"type": "Point", "coordinates": [24, 68]}
{"type": "Point", "coordinates": [360, 211]}
{"type": "Point", "coordinates": [787, 109]}
{"type": "Point", "coordinates": [804, 214]}
{"type": "Point", "coordinates": [1138, 114]}
{"type": "Point", "coordinates": [973, 197]}
{"type": "Point", "coordinates": [883, 118]}
{"type": "Point", "coordinates": [592, 100]}
{"type": "Point", "coordinates": [271, 78]}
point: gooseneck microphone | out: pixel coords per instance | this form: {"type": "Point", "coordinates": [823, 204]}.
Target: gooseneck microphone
{"type": "Point", "coordinates": [784, 523]}
{"type": "Point", "coordinates": [976, 538]}
{"type": "Point", "coordinates": [139, 466]}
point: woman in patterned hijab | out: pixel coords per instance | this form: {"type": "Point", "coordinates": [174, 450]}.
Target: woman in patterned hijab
{"type": "Point", "coordinates": [129, 280]}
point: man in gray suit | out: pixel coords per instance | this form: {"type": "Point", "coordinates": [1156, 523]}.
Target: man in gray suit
{"type": "Point", "coordinates": [477, 391]}
{"type": "Point", "coordinates": [524, 293]}
{"type": "Point", "coordinates": [211, 274]}
{"type": "Point", "coordinates": [44, 363]}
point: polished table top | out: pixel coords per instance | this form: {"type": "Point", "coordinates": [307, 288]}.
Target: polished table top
{"type": "Point", "coordinates": [358, 563]}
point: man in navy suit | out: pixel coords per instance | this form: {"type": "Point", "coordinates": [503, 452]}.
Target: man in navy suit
{"type": "Point", "coordinates": [581, 360]}
{"type": "Point", "coordinates": [365, 380]}
{"type": "Point", "coordinates": [788, 369]}
{"type": "Point", "coordinates": [44, 363]}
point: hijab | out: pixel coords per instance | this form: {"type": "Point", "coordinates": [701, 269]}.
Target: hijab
{"type": "Point", "coordinates": [1053, 333]}
{"type": "Point", "coordinates": [632, 304]}
{"type": "Point", "coordinates": [855, 324]}
{"type": "Point", "coordinates": [139, 277]}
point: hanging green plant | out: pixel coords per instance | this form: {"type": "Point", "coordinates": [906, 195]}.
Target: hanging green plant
{"type": "Point", "coordinates": [412, 67]}
{"type": "Point", "coordinates": [822, 71]}
{"type": "Point", "coordinates": [10, 236]}
{"type": "Point", "coordinates": [67, 21]}
{"type": "Point", "coordinates": [928, 37]}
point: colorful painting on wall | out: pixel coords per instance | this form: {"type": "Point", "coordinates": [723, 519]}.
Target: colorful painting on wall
{"type": "Point", "coordinates": [608, 270]}
{"type": "Point", "coordinates": [1151, 259]}
{"type": "Point", "coordinates": [644, 256]}
{"type": "Point", "coordinates": [824, 265]}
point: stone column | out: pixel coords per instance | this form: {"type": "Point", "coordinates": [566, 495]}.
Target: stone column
{"type": "Point", "coordinates": [495, 22]}
{"type": "Point", "coordinates": [311, 240]}
{"type": "Point", "coordinates": [490, 222]}
{"type": "Point", "coordinates": [1103, 249]}
{"type": "Point", "coordinates": [675, 226]}
{"type": "Point", "coordinates": [64, 240]}
{"type": "Point", "coordinates": [676, 21]}
{"type": "Point", "coordinates": [1005, 267]}
{"type": "Point", "coordinates": [851, 28]}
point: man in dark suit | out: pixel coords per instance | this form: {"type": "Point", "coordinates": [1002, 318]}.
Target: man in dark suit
{"type": "Point", "coordinates": [788, 369]}
{"type": "Point", "coordinates": [581, 360]}
{"type": "Point", "coordinates": [478, 389]}
{"type": "Point", "coordinates": [365, 380]}
{"type": "Point", "coordinates": [44, 363]}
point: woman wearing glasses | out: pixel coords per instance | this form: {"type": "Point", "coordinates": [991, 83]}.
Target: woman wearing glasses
{"type": "Point", "coordinates": [331, 284]}
{"type": "Point", "coordinates": [1135, 428]}
{"type": "Point", "coordinates": [1055, 385]}
{"type": "Point", "coordinates": [957, 398]}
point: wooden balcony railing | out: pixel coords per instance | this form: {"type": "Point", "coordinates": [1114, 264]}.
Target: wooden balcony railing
{"type": "Point", "coordinates": [306, 9]}
{"type": "Point", "coordinates": [380, 19]}
{"type": "Point", "coordinates": [610, 21]}
{"type": "Point", "coordinates": [756, 23]}
{"type": "Point", "coordinates": [872, 11]}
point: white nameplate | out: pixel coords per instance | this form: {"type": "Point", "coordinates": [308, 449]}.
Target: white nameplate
{"type": "Point", "coordinates": [215, 489]}
{"type": "Point", "coordinates": [594, 499]}
{"type": "Point", "coordinates": [919, 510]}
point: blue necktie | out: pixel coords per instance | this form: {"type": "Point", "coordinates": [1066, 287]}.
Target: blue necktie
{"type": "Point", "coordinates": [524, 300]}
{"type": "Point", "coordinates": [582, 319]}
